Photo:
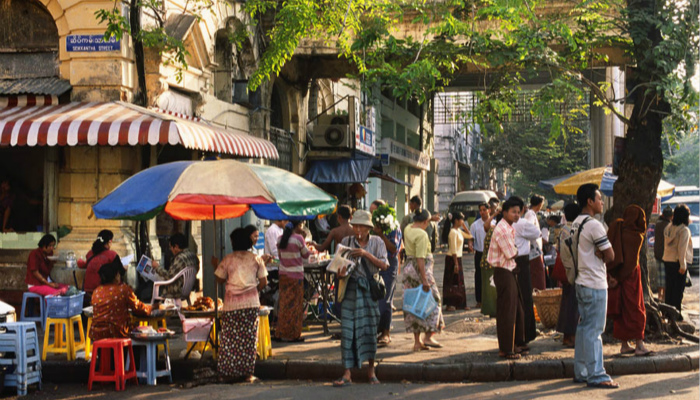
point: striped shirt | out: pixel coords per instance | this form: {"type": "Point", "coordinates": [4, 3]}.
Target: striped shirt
{"type": "Point", "coordinates": [292, 257]}
{"type": "Point", "coordinates": [502, 251]}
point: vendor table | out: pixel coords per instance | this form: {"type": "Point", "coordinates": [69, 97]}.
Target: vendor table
{"type": "Point", "coordinates": [319, 283]}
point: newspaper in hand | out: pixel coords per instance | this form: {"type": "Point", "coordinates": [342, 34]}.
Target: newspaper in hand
{"type": "Point", "coordinates": [145, 268]}
{"type": "Point", "coordinates": [341, 259]}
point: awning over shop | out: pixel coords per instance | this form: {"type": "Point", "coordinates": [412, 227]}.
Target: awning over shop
{"type": "Point", "coordinates": [341, 170]}
{"type": "Point", "coordinates": [120, 124]}
{"type": "Point", "coordinates": [386, 177]}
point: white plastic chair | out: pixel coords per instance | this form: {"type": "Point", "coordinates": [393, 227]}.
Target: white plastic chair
{"type": "Point", "coordinates": [189, 274]}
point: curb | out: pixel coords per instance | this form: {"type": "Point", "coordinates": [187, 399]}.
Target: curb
{"type": "Point", "coordinates": [77, 371]}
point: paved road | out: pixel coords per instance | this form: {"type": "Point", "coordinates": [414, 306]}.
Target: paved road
{"type": "Point", "coordinates": [657, 386]}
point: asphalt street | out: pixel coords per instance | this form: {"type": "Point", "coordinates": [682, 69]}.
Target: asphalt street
{"type": "Point", "coordinates": [653, 386]}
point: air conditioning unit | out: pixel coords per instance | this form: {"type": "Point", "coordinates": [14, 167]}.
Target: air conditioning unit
{"type": "Point", "coordinates": [333, 136]}
{"type": "Point", "coordinates": [336, 131]}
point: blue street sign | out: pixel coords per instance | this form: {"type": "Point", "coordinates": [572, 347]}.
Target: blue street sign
{"type": "Point", "coordinates": [91, 43]}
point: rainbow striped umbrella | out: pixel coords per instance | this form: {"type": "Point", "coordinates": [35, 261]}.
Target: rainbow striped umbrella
{"type": "Point", "coordinates": [219, 189]}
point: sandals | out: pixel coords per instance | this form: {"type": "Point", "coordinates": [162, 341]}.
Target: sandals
{"type": "Point", "coordinates": [383, 342]}
{"type": "Point", "coordinates": [629, 351]}
{"type": "Point", "coordinates": [510, 356]}
{"type": "Point", "coordinates": [434, 345]}
{"type": "Point", "coordinates": [374, 381]}
{"type": "Point", "coordinates": [342, 382]}
{"type": "Point", "coordinates": [649, 353]}
{"type": "Point", "coordinates": [421, 348]}
{"type": "Point", "coordinates": [604, 385]}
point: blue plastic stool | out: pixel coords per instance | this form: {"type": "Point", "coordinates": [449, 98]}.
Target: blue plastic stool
{"type": "Point", "coordinates": [148, 358]}
{"type": "Point", "coordinates": [42, 309]}
{"type": "Point", "coordinates": [20, 348]}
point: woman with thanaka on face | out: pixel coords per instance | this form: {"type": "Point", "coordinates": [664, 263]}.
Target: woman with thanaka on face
{"type": "Point", "coordinates": [418, 271]}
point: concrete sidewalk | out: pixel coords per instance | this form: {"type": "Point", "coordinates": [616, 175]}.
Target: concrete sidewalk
{"type": "Point", "coordinates": [469, 353]}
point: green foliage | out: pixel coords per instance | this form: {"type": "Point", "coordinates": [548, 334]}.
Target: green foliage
{"type": "Point", "coordinates": [683, 166]}
{"type": "Point", "coordinates": [512, 38]}
{"type": "Point", "coordinates": [526, 150]}
{"type": "Point", "coordinates": [152, 36]}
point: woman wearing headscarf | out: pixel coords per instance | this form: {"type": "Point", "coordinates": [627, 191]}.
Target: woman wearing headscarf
{"type": "Point", "coordinates": [244, 275]}
{"type": "Point", "coordinates": [454, 232]}
{"type": "Point", "coordinates": [360, 312]}
{"type": "Point", "coordinates": [418, 271]}
{"type": "Point", "coordinates": [100, 254]}
{"type": "Point", "coordinates": [678, 252]}
{"type": "Point", "coordinates": [111, 302]}
{"type": "Point", "coordinates": [292, 252]}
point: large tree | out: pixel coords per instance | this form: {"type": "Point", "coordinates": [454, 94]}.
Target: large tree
{"type": "Point", "coordinates": [508, 42]}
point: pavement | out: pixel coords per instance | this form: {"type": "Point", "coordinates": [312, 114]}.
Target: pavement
{"type": "Point", "coordinates": [469, 353]}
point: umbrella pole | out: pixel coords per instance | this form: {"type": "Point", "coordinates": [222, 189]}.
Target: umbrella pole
{"type": "Point", "coordinates": [216, 284]}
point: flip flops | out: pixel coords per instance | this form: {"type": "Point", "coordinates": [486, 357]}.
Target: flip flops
{"type": "Point", "coordinates": [342, 382]}
{"type": "Point", "coordinates": [434, 345]}
{"type": "Point", "coordinates": [647, 354]}
{"type": "Point", "coordinates": [374, 381]}
{"type": "Point", "coordinates": [604, 385]}
{"type": "Point", "coordinates": [629, 351]}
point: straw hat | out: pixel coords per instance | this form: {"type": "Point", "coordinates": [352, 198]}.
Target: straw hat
{"type": "Point", "coordinates": [362, 217]}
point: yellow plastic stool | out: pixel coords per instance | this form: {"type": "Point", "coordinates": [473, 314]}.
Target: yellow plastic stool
{"type": "Point", "coordinates": [63, 344]}
{"type": "Point", "coordinates": [203, 347]}
{"type": "Point", "coordinates": [264, 339]}
{"type": "Point", "coordinates": [88, 342]}
{"type": "Point", "coordinates": [155, 322]}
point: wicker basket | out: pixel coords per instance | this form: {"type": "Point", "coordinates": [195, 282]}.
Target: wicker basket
{"type": "Point", "coordinates": [547, 302]}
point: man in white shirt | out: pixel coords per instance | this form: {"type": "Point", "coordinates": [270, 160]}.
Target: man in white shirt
{"type": "Point", "coordinates": [477, 230]}
{"type": "Point", "coordinates": [537, 274]}
{"type": "Point", "coordinates": [525, 234]}
{"type": "Point", "coordinates": [594, 250]}
{"type": "Point", "coordinates": [272, 234]}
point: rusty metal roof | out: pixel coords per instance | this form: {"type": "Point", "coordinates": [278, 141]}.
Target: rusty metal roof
{"type": "Point", "coordinates": [46, 86]}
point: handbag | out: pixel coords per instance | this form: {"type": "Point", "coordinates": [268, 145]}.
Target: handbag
{"type": "Point", "coordinates": [558, 271]}
{"type": "Point", "coordinates": [377, 287]}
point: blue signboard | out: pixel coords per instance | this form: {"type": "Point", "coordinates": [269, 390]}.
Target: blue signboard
{"type": "Point", "coordinates": [260, 244]}
{"type": "Point", "coordinates": [91, 43]}
{"type": "Point", "coordinates": [385, 159]}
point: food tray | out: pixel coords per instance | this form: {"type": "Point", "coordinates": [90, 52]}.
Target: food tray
{"type": "Point", "coordinates": [152, 336]}
{"type": "Point", "coordinates": [199, 314]}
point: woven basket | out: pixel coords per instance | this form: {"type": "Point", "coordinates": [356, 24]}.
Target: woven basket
{"type": "Point", "coordinates": [547, 302]}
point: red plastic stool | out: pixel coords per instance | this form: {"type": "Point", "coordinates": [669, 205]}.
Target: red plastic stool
{"type": "Point", "coordinates": [111, 351]}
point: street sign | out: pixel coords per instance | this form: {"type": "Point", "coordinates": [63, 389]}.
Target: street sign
{"type": "Point", "coordinates": [91, 43]}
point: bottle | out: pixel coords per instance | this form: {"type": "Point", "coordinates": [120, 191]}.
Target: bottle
{"type": "Point", "coordinates": [70, 260]}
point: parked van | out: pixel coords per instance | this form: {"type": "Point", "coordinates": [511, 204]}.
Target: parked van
{"type": "Point", "coordinates": [468, 202]}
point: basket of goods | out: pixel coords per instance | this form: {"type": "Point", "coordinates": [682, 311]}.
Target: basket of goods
{"type": "Point", "coordinates": [547, 303]}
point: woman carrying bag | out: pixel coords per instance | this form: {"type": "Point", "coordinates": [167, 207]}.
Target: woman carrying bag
{"type": "Point", "coordinates": [418, 271]}
{"type": "Point", "coordinates": [359, 305]}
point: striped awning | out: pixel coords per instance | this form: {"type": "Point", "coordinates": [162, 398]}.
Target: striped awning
{"type": "Point", "coordinates": [120, 124]}
{"type": "Point", "coordinates": [28, 100]}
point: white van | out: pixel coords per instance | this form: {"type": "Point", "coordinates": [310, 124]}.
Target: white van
{"type": "Point", "coordinates": [468, 202]}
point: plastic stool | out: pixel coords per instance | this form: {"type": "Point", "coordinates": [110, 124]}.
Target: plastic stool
{"type": "Point", "coordinates": [148, 360]}
{"type": "Point", "coordinates": [42, 309]}
{"type": "Point", "coordinates": [155, 322]}
{"type": "Point", "coordinates": [63, 344]}
{"type": "Point", "coordinates": [123, 370]}
{"type": "Point", "coordinates": [20, 348]}
{"type": "Point", "coordinates": [264, 340]}
{"type": "Point", "coordinates": [203, 347]}
{"type": "Point", "coordinates": [88, 342]}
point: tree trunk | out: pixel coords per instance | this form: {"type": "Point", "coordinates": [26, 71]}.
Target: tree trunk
{"type": "Point", "coordinates": [135, 24]}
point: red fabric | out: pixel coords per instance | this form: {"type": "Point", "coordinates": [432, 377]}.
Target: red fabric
{"type": "Point", "coordinates": [631, 320]}
{"type": "Point", "coordinates": [559, 272]}
{"type": "Point", "coordinates": [537, 274]}
{"type": "Point", "coordinates": [37, 262]}
{"type": "Point", "coordinates": [92, 276]}
{"type": "Point", "coordinates": [46, 290]}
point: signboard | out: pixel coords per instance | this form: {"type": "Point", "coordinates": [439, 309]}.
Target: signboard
{"type": "Point", "coordinates": [385, 159]}
{"type": "Point", "coordinates": [409, 155]}
{"type": "Point", "coordinates": [91, 43]}
{"type": "Point", "coordinates": [364, 140]}
{"type": "Point", "coordinates": [260, 244]}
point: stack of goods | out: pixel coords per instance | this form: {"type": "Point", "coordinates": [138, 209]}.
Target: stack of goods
{"type": "Point", "coordinates": [203, 304]}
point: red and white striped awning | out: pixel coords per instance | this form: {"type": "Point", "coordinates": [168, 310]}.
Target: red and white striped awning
{"type": "Point", "coordinates": [120, 124]}
{"type": "Point", "coordinates": [28, 100]}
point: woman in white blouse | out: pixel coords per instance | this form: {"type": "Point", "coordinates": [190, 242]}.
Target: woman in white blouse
{"type": "Point", "coordinates": [453, 233]}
